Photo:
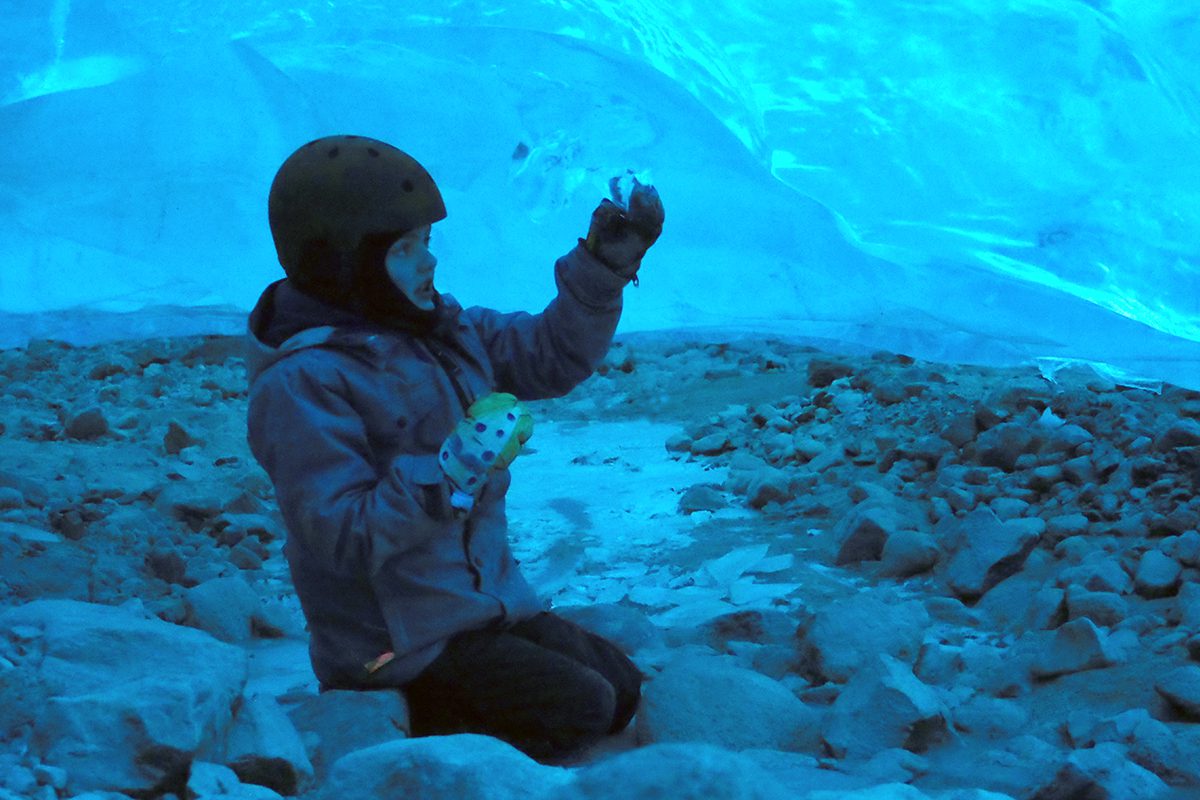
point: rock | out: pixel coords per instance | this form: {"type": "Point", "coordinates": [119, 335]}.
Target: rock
{"type": "Point", "coordinates": [1157, 575]}
{"type": "Point", "coordinates": [990, 550]}
{"type": "Point", "coordinates": [206, 779]}
{"type": "Point", "coordinates": [848, 633]}
{"type": "Point", "coordinates": [120, 702]}
{"type": "Point", "coordinates": [1100, 572]}
{"type": "Point", "coordinates": [1188, 605]}
{"type": "Point", "coordinates": [1148, 742]}
{"type": "Point", "coordinates": [711, 701]}
{"type": "Point", "coordinates": [224, 607]}
{"type": "Point", "coordinates": [166, 565]}
{"type": "Point", "coordinates": [1106, 772]}
{"type": "Point", "coordinates": [109, 365]}
{"type": "Point", "coordinates": [864, 530]}
{"type": "Point", "coordinates": [907, 553]}
{"type": "Point", "coordinates": [31, 490]}
{"type": "Point", "coordinates": [676, 771]}
{"type": "Point", "coordinates": [39, 565]}
{"type": "Point", "coordinates": [264, 748]}
{"type": "Point", "coordinates": [1181, 688]}
{"type": "Point", "coordinates": [894, 765]}
{"type": "Point", "coordinates": [1105, 609]}
{"type": "Point", "coordinates": [679, 443]}
{"type": "Point", "coordinates": [800, 775]}
{"type": "Point", "coordinates": [441, 768]}
{"type": "Point", "coordinates": [1065, 526]}
{"type": "Point", "coordinates": [711, 445]}
{"type": "Point", "coordinates": [1075, 646]}
{"type": "Point", "coordinates": [1186, 549]}
{"type": "Point", "coordinates": [1002, 445]}
{"type": "Point", "coordinates": [233, 527]}
{"type": "Point", "coordinates": [822, 372]}
{"type": "Point", "coordinates": [627, 627]}
{"type": "Point", "coordinates": [177, 438]}
{"type": "Point", "coordinates": [883, 707]}
{"type": "Point", "coordinates": [769, 485]}
{"type": "Point", "coordinates": [702, 497]}
{"type": "Point", "coordinates": [757, 626]}
{"type": "Point", "coordinates": [244, 558]}
{"type": "Point", "coordinates": [1007, 508]}
{"type": "Point", "coordinates": [1183, 433]}
{"type": "Point", "coordinates": [10, 498]}
{"type": "Point", "coordinates": [87, 424]}
{"type": "Point", "coordinates": [993, 718]}
{"type": "Point", "coordinates": [342, 721]}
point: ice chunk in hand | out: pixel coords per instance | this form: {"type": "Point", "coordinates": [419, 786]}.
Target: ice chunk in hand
{"type": "Point", "coordinates": [620, 187]}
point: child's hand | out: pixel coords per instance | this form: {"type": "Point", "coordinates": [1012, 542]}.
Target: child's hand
{"type": "Point", "coordinates": [621, 232]}
{"type": "Point", "coordinates": [488, 438]}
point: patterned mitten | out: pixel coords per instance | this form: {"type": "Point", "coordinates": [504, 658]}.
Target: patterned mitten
{"type": "Point", "coordinates": [489, 437]}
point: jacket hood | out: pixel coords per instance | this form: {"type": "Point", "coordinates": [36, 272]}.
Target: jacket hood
{"type": "Point", "coordinates": [286, 320]}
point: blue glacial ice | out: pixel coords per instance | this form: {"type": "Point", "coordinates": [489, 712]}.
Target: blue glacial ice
{"type": "Point", "coordinates": [986, 181]}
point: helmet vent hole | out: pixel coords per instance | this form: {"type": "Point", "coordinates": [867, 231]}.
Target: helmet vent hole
{"type": "Point", "coordinates": [333, 152]}
{"type": "Point", "coordinates": [407, 185]}
{"type": "Point", "coordinates": [374, 153]}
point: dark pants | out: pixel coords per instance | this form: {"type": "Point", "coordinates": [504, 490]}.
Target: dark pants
{"type": "Point", "coordinates": [545, 685]}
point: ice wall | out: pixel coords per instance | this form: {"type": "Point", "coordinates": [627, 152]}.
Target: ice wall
{"type": "Point", "coordinates": [981, 181]}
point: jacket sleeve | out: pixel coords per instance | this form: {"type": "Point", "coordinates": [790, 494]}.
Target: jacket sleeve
{"type": "Point", "coordinates": [548, 354]}
{"type": "Point", "coordinates": [348, 515]}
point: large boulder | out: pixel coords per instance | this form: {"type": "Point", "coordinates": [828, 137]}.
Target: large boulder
{"type": "Point", "coordinates": [845, 634]}
{"type": "Point", "coordinates": [340, 721]}
{"type": "Point", "coordinates": [677, 771]}
{"type": "Point", "coordinates": [862, 533]}
{"type": "Point", "coordinates": [121, 702]}
{"type": "Point", "coordinates": [227, 608]}
{"type": "Point", "coordinates": [989, 550]}
{"type": "Point", "coordinates": [885, 707]}
{"type": "Point", "coordinates": [710, 700]}
{"type": "Point", "coordinates": [441, 768]}
{"type": "Point", "coordinates": [1076, 646]}
{"type": "Point", "coordinates": [264, 747]}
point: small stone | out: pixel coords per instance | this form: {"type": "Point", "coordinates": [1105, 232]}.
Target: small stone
{"type": "Point", "coordinates": [1106, 609]}
{"type": "Point", "coordinates": [244, 558]}
{"type": "Point", "coordinates": [177, 438]}
{"type": "Point", "coordinates": [1184, 433]}
{"type": "Point", "coordinates": [1181, 688]}
{"type": "Point", "coordinates": [863, 532]}
{"type": "Point", "coordinates": [168, 565]}
{"type": "Point", "coordinates": [10, 498]}
{"type": "Point", "coordinates": [702, 497]}
{"type": "Point", "coordinates": [822, 372]}
{"type": "Point", "coordinates": [1076, 646]}
{"type": "Point", "coordinates": [1186, 549]}
{"type": "Point", "coordinates": [1002, 445]}
{"type": "Point", "coordinates": [712, 444]}
{"type": "Point", "coordinates": [1158, 575]}
{"type": "Point", "coordinates": [907, 553]}
{"type": "Point", "coordinates": [767, 486]}
{"type": "Point", "coordinates": [1064, 526]}
{"type": "Point", "coordinates": [679, 443]}
{"type": "Point", "coordinates": [87, 424]}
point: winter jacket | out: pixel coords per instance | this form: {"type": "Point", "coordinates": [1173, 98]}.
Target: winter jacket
{"type": "Point", "coordinates": [347, 418]}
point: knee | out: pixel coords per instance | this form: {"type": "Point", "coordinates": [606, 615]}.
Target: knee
{"type": "Point", "coordinates": [597, 707]}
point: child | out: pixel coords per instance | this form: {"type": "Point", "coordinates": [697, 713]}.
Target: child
{"type": "Point", "coordinates": [386, 416]}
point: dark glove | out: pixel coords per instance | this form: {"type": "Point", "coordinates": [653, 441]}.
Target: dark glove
{"type": "Point", "coordinates": [621, 234]}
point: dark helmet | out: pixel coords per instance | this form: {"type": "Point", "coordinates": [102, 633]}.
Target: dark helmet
{"type": "Point", "coordinates": [335, 193]}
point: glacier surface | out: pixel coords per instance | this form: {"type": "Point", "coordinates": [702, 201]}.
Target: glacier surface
{"type": "Point", "coordinates": [982, 181]}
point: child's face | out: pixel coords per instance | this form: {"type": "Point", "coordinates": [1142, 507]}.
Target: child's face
{"type": "Point", "coordinates": [410, 265]}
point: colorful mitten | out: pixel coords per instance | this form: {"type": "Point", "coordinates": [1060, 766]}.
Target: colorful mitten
{"type": "Point", "coordinates": [489, 437]}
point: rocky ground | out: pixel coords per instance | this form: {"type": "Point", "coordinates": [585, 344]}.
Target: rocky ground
{"type": "Point", "coordinates": [845, 576]}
